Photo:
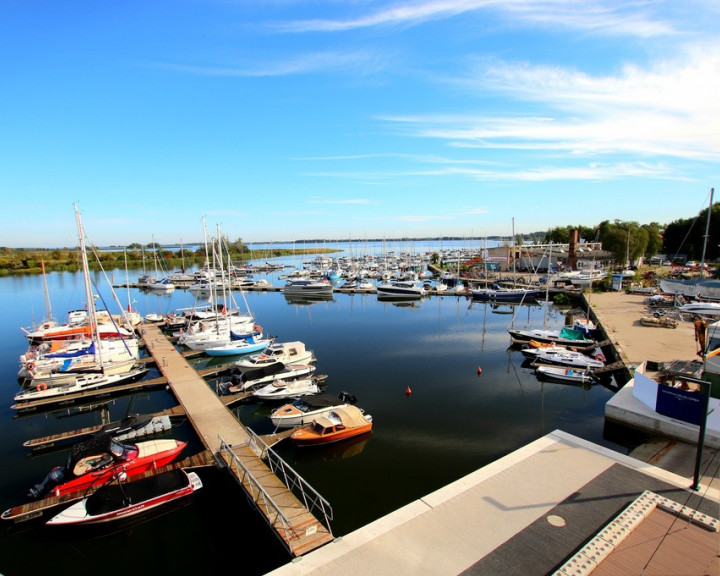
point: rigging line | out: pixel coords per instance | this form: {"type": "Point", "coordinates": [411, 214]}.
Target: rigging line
{"type": "Point", "coordinates": [692, 226]}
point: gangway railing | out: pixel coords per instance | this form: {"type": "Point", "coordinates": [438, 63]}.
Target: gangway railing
{"type": "Point", "coordinates": [312, 501]}
{"type": "Point", "coordinates": [295, 483]}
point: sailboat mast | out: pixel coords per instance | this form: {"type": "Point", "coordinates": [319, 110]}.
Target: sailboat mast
{"type": "Point", "coordinates": [48, 307]}
{"type": "Point", "coordinates": [707, 232]}
{"type": "Point", "coordinates": [95, 329]}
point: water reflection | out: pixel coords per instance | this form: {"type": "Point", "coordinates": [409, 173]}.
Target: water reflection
{"type": "Point", "coordinates": [332, 452]}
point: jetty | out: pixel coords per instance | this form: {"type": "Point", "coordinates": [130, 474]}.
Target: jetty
{"type": "Point", "coordinates": [236, 448]}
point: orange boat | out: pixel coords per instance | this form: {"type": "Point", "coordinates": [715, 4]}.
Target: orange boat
{"type": "Point", "coordinates": [340, 424]}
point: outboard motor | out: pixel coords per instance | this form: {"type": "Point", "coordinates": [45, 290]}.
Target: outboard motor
{"type": "Point", "coordinates": [347, 397]}
{"type": "Point", "coordinates": [53, 478]}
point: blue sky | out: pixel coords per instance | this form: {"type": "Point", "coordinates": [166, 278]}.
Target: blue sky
{"type": "Point", "coordinates": [290, 120]}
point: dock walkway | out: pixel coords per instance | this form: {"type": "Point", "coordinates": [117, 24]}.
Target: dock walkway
{"type": "Point", "coordinates": [218, 428]}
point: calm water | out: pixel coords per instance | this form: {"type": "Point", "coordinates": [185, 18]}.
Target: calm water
{"type": "Point", "coordinates": [452, 423]}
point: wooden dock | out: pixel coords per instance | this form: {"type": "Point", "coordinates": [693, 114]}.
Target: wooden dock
{"type": "Point", "coordinates": [217, 427]}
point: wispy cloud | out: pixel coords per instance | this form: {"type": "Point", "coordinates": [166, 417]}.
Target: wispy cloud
{"type": "Point", "coordinates": [351, 201]}
{"type": "Point", "coordinates": [607, 17]}
{"type": "Point", "coordinates": [308, 63]}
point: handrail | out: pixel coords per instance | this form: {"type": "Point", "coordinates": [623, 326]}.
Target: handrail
{"type": "Point", "coordinates": [254, 488]}
{"type": "Point", "coordinates": [294, 482]}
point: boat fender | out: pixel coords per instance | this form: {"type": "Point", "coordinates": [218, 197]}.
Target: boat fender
{"type": "Point", "coordinates": [41, 386]}
{"type": "Point", "coordinates": [479, 370]}
{"type": "Point", "coordinates": [408, 391]}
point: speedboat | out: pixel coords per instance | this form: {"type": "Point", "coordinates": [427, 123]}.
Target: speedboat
{"type": "Point", "coordinates": [339, 424]}
{"type": "Point", "coordinates": [702, 308]}
{"type": "Point", "coordinates": [285, 352]}
{"type": "Point", "coordinates": [298, 287]}
{"type": "Point", "coordinates": [402, 289]}
{"type": "Point", "coordinates": [565, 374]}
{"type": "Point", "coordinates": [245, 379]}
{"type": "Point", "coordinates": [123, 499]}
{"type": "Point", "coordinates": [306, 408]}
{"type": "Point", "coordinates": [284, 389]}
{"type": "Point", "coordinates": [101, 458]}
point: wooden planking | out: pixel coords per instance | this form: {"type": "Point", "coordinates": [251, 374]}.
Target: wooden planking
{"type": "Point", "coordinates": [212, 419]}
{"type": "Point", "coordinates": [305, 532]}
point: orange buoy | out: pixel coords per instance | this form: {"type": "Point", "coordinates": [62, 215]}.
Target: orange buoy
{"type": "Point", "coordinates": [479, 371]}
{"type": "Point", "coordinates": [408, 391]}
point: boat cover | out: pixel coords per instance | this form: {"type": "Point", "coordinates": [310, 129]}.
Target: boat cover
{"type": "Point", "coordinates": [571, 334]}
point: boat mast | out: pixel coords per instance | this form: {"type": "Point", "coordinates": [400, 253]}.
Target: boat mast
{"type": "Point", "coordinates": [94, 328]}
{"type": "Point", "coordinates": [48, 307]}
{"type": "Point", "coordinates": [707, 232]}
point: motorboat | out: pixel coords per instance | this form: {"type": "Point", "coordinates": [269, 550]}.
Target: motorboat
{"type": "Point", "coordinates": [339, 424]}
{"type": "Point", "coordinates": [306, 408]}
{"type": "Point", "coordinates": [44, 390]}
{"type": "Point", "coordinates": [286, 352]}
{"type": "Point", "coordinates": [401, 289]}
{"type": "Point", "coordinates": [284, 389]}
{"type": "Point", "coordinates": [122, 499]}
{"type": "Point", "coordinates": [246, 379]}
{"type": "Point", "coordinates": [101, 458]}
{"type": "Point", "coordinates": [701, 308]}
{"type": "Point", "coordinates": [307, 286]}
{"type": "Point", "coordinates": [566, 374]}
{"type": "Point", "coordinates": [560, 355]}
{"type": "Point", "coordinates": [164, 285]}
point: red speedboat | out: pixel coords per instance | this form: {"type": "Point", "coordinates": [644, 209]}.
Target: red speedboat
{"type": "Point", "coordinates": [339, 424]}
{"type": "Point", "coordinates": [116, 500]}
{"type": "Point", "coordinates": [101, 458]}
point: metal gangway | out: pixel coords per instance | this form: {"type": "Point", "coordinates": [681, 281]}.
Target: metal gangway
{"type": "Point", "coordinates": [287, 502]}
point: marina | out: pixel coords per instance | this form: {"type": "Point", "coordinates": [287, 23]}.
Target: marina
{"type": "Point", "coordinates": [237, 441]}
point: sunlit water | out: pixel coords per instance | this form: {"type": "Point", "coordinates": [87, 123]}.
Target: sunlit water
{"type": "Point", "coordinates": [454, 421]}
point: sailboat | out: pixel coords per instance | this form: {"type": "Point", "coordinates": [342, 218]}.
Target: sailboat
{"type": "Point", "coordinates": [564, 337]}
{"type": "Point", "coordinates": [499, 293]}
{"type": "Point", "coordinates": [99, 362]}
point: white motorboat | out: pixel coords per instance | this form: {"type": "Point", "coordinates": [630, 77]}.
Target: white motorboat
{"type": "Point", "coordinates": [701, 308]}
{"type": "Point", "coordinates": [566, 374]}
{"type": "Point", "coordinates": [115, 501]}
{"type": "Point", "coordinates": [238, 346]}
{"type": "Point", "coordinates": [402, 289]}
{"type": "Point", "coordinates": [501, 294]}
{"type": "Point", "coordinates": [246, 379]}
{"type": "Point", "coordinates": [306, 408]}
{"type": "Point", "coordinates": [284, 389]}
{"type": "Point", "coordinates": [305, 286]}
{"type": "Point", "coordinates": [284, 352]}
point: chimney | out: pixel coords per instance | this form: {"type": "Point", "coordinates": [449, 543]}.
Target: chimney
{"type": "Point", "coordinates": [572, 257]}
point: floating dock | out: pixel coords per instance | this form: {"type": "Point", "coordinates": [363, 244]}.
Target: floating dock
{"type": "Point", "coordinates": [231, 443]}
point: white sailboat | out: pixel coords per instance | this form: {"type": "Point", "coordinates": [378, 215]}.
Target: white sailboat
{"type": "Point", "coordinates": [104, 357]}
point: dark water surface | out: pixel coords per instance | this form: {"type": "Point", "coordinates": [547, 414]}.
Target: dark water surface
{"type": "Point", "coordinates": [453, 422]}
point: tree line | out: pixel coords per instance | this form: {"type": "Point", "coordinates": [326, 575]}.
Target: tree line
{"type": "Point", "coordinates": [682, 238]}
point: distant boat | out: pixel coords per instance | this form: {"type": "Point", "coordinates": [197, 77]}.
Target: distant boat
{"type": "Point", "coordinates": [499, 294]}
{"type": "Point", "coordinates": [125, 499]}
{"type": "Point", "coordinates": [402, 289]}
{"type": "Point", "coordinates": [304, 286]}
